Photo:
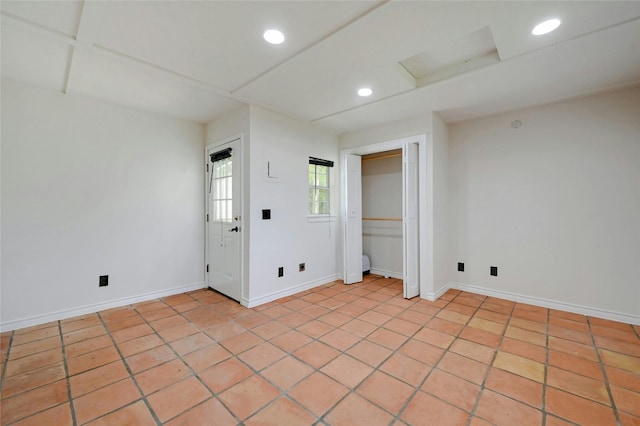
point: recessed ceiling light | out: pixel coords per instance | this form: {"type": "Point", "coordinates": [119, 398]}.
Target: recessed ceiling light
{"type": "Point", "coordinates": [546, 27]}
{"type": "Point", "coordinates": [365, 91]}
{"type": "Point", "coordinates": [273, 36]}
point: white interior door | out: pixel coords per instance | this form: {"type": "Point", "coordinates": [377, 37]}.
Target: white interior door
{"type": "Point", "coordinates": [410, 220]}
{"type": "Point", "coordinates": [224, 223]}
{"type": "Point", "coordinates": [353, 220]}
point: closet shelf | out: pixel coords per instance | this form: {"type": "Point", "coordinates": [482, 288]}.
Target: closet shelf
{"type": "Point", "coordinates": [393, 219]}
{"type": "Point", "coordinates": [380, 157]}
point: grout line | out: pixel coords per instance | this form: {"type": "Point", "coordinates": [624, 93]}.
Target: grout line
{"type": "Point", "coordinates": [546, 369]}
{"type": "Point", "coordinates": [67, 375]}
{"type": "Point", "coordinates": [3, 373]}
{"type": "Point", "coordinates": [131, 376]}
{"type": "Point", "coordinates": [352, 390]}
{"type": "Point", "coordinates": [194, 373]}
{"type": "Point", "coordinates": [604, 373]}
{"type": "Point", "coordinates": [343, 352]}
{"type": "Point", "coordinates": [636, 331]}
{"type": "Point", "coordinates": [489, 366]}
{"type": "Point", "coordinates": [432, 368]}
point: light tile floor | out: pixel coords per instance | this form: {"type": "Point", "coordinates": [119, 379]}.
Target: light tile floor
{"type": "Point", "coordinates": [334, 355]}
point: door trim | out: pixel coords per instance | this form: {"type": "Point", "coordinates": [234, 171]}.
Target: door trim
{"type": "Point", "coordinates": [213, 147]}
{"type": "Point", "coordinates": [425, 202]}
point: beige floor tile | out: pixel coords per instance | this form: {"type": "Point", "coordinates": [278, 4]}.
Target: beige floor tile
{"type": "Point", "coordinates": [355, 410]}
{"type": "Point", "coordinates": [318, 393]}
{"type": "Point", "coordinates": [500, 410]}
{"type": "Point", "coordinates": [386, 391]}
{"type": "Point", "coordinates": [248, 396]}
{"type": "Point", "coordinates": [104, 400]}
{"type": "Point", "coordinates": [426, 410]}
{"type": "Point", "coordinates": [287, 372]}
{"type": "Point", "coordinates": [347, 370]}
{"type": "Point", "coordinates": [135, 414]}
{"type": "Point", "coordinates": [452, 389]}
{"type": "Point", "coordinates": [178, 398]}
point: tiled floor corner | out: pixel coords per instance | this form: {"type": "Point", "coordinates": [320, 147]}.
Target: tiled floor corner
{"type": "Point", "coordinates": [334, 355]}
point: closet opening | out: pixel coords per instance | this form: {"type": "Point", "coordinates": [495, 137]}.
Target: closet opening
{"type": "Point", "coordinates": [382, 227]}
{"type": "Point", "coordinates": [383, 208]}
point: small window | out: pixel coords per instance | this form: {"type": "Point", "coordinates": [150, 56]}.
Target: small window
{"type": "Point", "coordinates": [319, 186]}
{"type": "Point", "coordinates": [222, 190]}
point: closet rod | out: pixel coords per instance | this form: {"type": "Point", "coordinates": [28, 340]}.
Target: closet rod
{"type": "Point", "coordinates": [379, 157]}
{"type": "Point", "coordinates": [394, 219]}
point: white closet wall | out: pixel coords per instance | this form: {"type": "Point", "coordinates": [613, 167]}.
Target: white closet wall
{"type": "Point", "coordinates": [382, 199]}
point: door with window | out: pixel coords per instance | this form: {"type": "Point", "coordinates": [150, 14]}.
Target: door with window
{"type": "Point", "coordinates": [224, 224]}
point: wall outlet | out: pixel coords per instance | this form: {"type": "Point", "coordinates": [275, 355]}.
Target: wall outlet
{"type": "Point", "coordinates": [460, 267]}
{"type": "Point", "coordinates": [493, 271]}
{"type": "Point", "coordinates": [281, 271]}
{"type": "Point", "coordinates": [266, 214]}
{"type": "Point", "coordinates": [301, 267]}
{"type": "Point", "coordinates": [103, 281]}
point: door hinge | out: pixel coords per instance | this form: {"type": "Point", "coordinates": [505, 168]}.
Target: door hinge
{"type": "Point", "coordinates": [207, 267]}
{"type": "Point", "coordinates": [207, 167]}
{"type": "Point", "coordinates": [207, 217]}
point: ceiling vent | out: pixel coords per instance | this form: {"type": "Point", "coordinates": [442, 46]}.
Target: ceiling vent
{"type": "Point", "coordinates": [453, 57]}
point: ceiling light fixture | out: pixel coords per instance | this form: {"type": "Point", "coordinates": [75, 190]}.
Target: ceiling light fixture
{"type": "Point", "coordinates": [365, 91]}
{"type": "Point", "coordinates": [273, 36]}
{"type": "Point", "coordinates": [546, 27]}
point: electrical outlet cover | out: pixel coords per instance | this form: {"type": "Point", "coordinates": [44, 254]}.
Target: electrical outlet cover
{"type": "Point", "coordinates": [103, 281]}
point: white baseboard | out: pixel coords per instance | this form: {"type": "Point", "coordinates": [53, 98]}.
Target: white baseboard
{"type": "Point", "coordinates": [96, 307]}
{"type": "Point", "coordinates": [252, 303]}
{"type": "Point", "coordinates": [548, 303]}
{"type": "Point", "coordinates": [432, 297]}
{"type": "Point", "coordinates": [385, 273]}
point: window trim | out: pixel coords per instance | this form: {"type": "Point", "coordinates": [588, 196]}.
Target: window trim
{"type": "Point", "coordinates": [328, 164]}
{"type": "Point", "coordinates": [319, 218]}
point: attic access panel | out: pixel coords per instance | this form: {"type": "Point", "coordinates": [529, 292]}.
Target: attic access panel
{"type": "Point", "coordinates": [453, 57]}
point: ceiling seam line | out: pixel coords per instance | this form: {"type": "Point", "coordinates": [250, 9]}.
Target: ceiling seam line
{"type": "Point", "coordinates": [574, 38]}
{"type": "Point", "coordinates": [105, 51]}
{"type": "Point", "coordinates": [551, 46]}
{"type": "Point", "coordinates": [67, 71]}
{"type": "Point", "coordinates": [310, 46]}
{"type": "Point", "coordinates": [38, 29]}
{"type": "Point", "coordinates": [72, 53]}
{"type": "Point", "coordinates": [198, 84]}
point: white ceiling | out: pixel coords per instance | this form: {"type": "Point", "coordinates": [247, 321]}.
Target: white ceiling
{"type": "Point", "coordinates": [198, 59]}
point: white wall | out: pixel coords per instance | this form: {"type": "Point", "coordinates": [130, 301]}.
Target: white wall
{"type": "Point", "coordinates": [441, 232]}
{"type": "Point", "coordinates": [382, 198]}
{"type": "Point", "coordinates": [289, 238]}
{"type": "Point", "coordinates": [229, 125]}
{"type": "Point", "coordinates": [396, 130]}
{"type": "Point", "coordinates": [555, 203]}
{"type": "Point", "coordinates": [91, 189]}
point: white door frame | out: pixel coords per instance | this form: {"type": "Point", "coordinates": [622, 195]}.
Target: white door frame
{"type": "Point", "coordinates": [425, 202]}
{"type": "Point", "coordinates": [212, 147]}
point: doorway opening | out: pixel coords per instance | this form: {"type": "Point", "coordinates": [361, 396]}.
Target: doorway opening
{"type": "Point", "coordinates": [386, 212]}
{"type": "Point", "coordinates": [382, 232]}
